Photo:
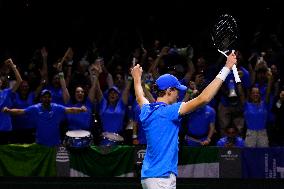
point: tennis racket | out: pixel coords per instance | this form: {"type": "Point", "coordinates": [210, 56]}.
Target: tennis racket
{"type": "Point", "coordinates": [224, 36]}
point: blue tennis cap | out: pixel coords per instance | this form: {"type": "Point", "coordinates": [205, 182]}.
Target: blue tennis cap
{"type": "Point", "coordinates": [45, 91]}
{"type": "Point", "coordinates": [169, 81]}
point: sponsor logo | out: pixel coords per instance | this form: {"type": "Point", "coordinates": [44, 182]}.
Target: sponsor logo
{"type": "Point", "coordinates": [230, 155]}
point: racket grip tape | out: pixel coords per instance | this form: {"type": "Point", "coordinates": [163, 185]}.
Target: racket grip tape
{"type": "Point", "coordinates": [236, 74]}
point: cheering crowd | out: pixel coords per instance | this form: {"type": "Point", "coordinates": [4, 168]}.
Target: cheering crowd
{"type": "Point", "coordinates": [42, 100]}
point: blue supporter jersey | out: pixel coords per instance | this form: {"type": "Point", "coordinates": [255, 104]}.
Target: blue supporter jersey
{"type": "Point", "coordinates": [5, 101]}
{"type": "Point", "coordinates": [22, 121]}
{"type": "Point", "coordinates": [199, 121]}
{"type": "Point", "coordinates": [161, 124]}
{"type": "Point", "coordinates": [47, 123]}
{"type": "Point", "coordinates": [81, 120]}
{"type": "Point", "coordinates": [112, 117]}
{"type": "Point", "coordinates": [56, 94]}
{"type": "Point", "coordinates": [262, 90]}
{"type": "Point", "coordinates": [255, 115]}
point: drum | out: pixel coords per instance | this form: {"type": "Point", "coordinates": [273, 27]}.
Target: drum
{"type": "Point", "coordinates": [78, 139]}
{"type": "Point", "coordinates": [110, 139]}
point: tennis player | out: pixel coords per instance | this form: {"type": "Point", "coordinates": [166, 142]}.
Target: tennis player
{"type": "Point", "coordinates": [161, 123]}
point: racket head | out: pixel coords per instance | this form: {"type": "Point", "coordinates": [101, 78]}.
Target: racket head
{"type": "Point", "coordinates": [225, 32]}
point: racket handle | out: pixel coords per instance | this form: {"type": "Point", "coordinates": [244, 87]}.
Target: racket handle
{"type": "Point", "coordinates": [234, 68]}
{"type": "Point", "coordinates": [236, 74]}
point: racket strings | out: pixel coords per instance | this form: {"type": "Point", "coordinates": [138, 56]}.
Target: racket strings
{"type": "Point", "coordinates": [225, 32]}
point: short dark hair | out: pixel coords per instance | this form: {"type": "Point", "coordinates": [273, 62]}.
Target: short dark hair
{"type": "Point", "coordinates": [157, 91]}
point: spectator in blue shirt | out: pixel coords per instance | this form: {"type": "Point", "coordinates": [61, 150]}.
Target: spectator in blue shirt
{"type": "Point", "coordinates": [23, 128]}
{"type": "Point", "coordinates": [200, 126]}
{"type": "Point", "coordinates": [47, 117]}
{"type": "Point", "coordinates": [6, 101]}
{"type": "Point", "coordinates": [232, 138]}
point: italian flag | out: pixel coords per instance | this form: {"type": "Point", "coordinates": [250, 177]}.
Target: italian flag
{"type": "Point", "coordinates": [198, 162]}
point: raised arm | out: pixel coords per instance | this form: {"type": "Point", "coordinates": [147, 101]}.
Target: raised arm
{"type": "Point", "coordinates": [13, 111]}
{"type": "Point", "coordinates": [43, 72]}
{"type": "Point", "coordinates": [44, 69]}
{"type": "Point", "coordinates": [153, 68]}
{"type": "Point", "coordinates": [99, 93]}
{"type": "Point", "coordinates": [210, 91]}
{"type": "Point", "coordinates": [95, 70]}
{"type": "Point", "coordinates": [10, 63]}
{"type": "Point", "coordinates": [241, 93]}
{"type": "Point", "coordinates": [92, 90]}
{"type": "Point", "coordinates": [75, 110]}
{"type": "Point", "coordinates": [269, 86]}
{"type": "Point", "coordinates": [65, 92]}
{"type": "Point", "coordinates": [68, 58]}
{"type": "Point", "coordinates": [136, 73]}
{"type": "Point", "coordinates": [126, 90]}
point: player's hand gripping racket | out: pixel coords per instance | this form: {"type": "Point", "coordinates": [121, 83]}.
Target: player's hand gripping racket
{"type": "Point", "coordinates": [224, 35]}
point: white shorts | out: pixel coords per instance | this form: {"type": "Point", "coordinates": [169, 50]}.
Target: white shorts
{"type": "Point", "coordinates": [160, 183]}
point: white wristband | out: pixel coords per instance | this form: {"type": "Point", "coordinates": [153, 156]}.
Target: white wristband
{"type": "Point", "coordinates": [223, 73]}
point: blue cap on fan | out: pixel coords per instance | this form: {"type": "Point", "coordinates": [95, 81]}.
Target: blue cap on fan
{"type": "Point", "coordinates": [45, 91]}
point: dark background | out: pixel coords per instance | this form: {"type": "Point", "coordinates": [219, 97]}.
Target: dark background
{"type": "Point", "coordinates": [29, 24]}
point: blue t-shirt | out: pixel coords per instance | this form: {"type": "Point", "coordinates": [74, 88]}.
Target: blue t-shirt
{"type": "Point", "coordinates": [112, 117]}
{"type": "Point", "coordinates": [5, 101]}
{"type": "Point", "coordinates": [47, 123]}
{"type": "Point", "coordinates": [223, 141]}
{"type": "Point", "coordinates": [161, 123]}
{"type": "Point", "coordinates": [255, 115]}
{"type": "Point", "coordinates": [22, 121]}
{"type": "Point", "coordinates": [56, 94]}
{"type": "Point", "coordinates": [199, 121]}
{"type": "Point", "coordinates": [81, 120]}
{"type": "Point", "coordinates": [262, 91]}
